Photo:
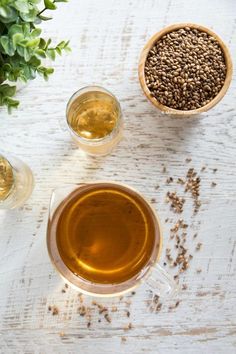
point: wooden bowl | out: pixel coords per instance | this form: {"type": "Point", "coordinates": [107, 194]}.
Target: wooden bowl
{"type": "Point", "coordinates": [173, 111]}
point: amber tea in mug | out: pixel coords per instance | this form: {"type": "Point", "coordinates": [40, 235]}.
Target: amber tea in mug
{"type": "Point", "coordinates": [104, 238]}
{"type": "Point", "coordinates": [105, 234]}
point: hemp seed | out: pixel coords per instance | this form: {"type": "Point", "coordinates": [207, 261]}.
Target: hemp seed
{"type": "Point", "coordinates": [185, 69]}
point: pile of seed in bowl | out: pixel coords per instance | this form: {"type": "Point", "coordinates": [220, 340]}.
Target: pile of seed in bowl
{"type": "Point", "coordinates": [185, 69]}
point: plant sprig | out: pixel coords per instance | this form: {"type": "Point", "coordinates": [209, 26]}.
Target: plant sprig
{"type": "Point", "coordinates": [21, 46]}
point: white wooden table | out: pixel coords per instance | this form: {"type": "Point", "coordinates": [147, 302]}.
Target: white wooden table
{"type": "Point", "coordinates": [107, 37]}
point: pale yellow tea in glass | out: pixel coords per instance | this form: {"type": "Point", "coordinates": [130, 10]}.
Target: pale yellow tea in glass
{"type": "Point", "coordinates": [6, 178]}
{"type": "Point", "coordinates": [94, 119]}
{"type": "Point", "coordinates": [104, 234]}
{"type": "Point", "coordinates": [93, 115]}
{"type": "Point", "coordinates": [16, 182]}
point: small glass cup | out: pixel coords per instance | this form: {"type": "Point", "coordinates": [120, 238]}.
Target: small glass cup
{"type": "Point", "coordinates": [16, 182]}
{"type": "Point", "coordinates": [95, 145]}
{"type": "Point", "coordinates": [152, 274]}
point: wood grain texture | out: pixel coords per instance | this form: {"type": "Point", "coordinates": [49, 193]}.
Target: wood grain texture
{"type": "Point", "coordinates": [107, 37]}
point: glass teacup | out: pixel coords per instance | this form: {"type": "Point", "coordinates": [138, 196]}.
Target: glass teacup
{"type": "Point", "coordinates": [16, 182]}
{"type": "Point", "coordinates": [74, 251]}
{"type": "Point", "coordinates": [94, 120]}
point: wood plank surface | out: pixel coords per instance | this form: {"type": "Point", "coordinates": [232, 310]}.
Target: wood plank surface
{"type": "Point", "coordinates": [107, 37]}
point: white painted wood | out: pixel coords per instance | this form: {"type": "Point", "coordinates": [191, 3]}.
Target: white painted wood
{"type": "Point", "coordinates": [107, 37]}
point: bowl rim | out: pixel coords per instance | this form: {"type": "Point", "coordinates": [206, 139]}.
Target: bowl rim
{"type": "Point", "coordinates": [150, 43]}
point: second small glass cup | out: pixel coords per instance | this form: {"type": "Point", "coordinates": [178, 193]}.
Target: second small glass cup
{"type": "Point", "coordinates": [94, 119]}
{"type": "Point", "coordinates": [16, 182]}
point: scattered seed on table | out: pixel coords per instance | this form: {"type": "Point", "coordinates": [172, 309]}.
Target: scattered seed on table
{"type": "Point", "coordinates": [129, 326]}
{"type": "Point", "coordinates": [55, 311]}
{"type": "Point", "coordinates": [169, 180]}
{"type": "Point", "coordinates": [199, 246]}
{"type": "Point", "coordinates": [82, 311]}
{"type": "Point", "coordinates": [107, 318]}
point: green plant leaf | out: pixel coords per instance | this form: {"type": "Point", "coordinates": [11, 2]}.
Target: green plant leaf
{"type": "Point", "coordinates": [7, 46]}
{"type": "Point", "coordinates": [45, 72]}
{"type": "Point", "coordinates": [58, 50]}
{"type": "Point", "coordinates": [48, 43]}
{"type": "Point", "coordinates": [22, 6]}
{"type": "Point", "coordinates": [3, 11]}
{"type": "Point", "coordinates": [17, 38]}
{"type": "Point", "coordinates": [51, 54]}
{"type": "Point", "coordinates": [42, 43]}
{"type": "Point", "coordinates": [33, 43]}
{"type": "Point", "coordinates": [21, 47]}
{"type": "Point", "coordinates": [26, 29]}
{"type": "Point", "coordinates": [15, 29]}
{"type": "Point", "coordinates": [40, 53]}
{"type": "Point", "coordinates": [44, 18]}
{"type": "Point", "coordinates": [7, 90]}
{"type": "Point", "coordinates": [4, 41]}
{"type": "Point", "coordinates": [27, 55]}
{"type": "Point", "coordinates": [6, 67]}
{"type": "Point", "coordinates": [20, 50]}
{"type": "Point", "coordinates": [11, 103]}
{"type": "Point", "coordinates": [7, 14]}
{"type": "Point", "coordinates": [50, 71]}
{"type": "Point", "coordinates": [36, 32]}
{"type": "Point", "coordinates": [49, 5]}
{"type": "Point", "coordinates": [6, 93]}
{"type": "Point", "coordinates": [35, 62]}
{"type": "Point", "coordinates": [30, 16]}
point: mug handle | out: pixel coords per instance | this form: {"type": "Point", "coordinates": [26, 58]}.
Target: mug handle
{"type": "Point", "coordinates": [161, 283]}
{"type": "Point", "coordinates": [59, 194]}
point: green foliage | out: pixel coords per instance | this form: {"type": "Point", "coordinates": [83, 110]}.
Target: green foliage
{"type": "Point", "coordinates": [21, 46]}
{"type": "Point", "coordinates": [6, 93]}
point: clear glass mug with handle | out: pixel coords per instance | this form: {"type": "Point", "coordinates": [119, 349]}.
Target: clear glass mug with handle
{"type": "Point", "coordinates": [152, 274]}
